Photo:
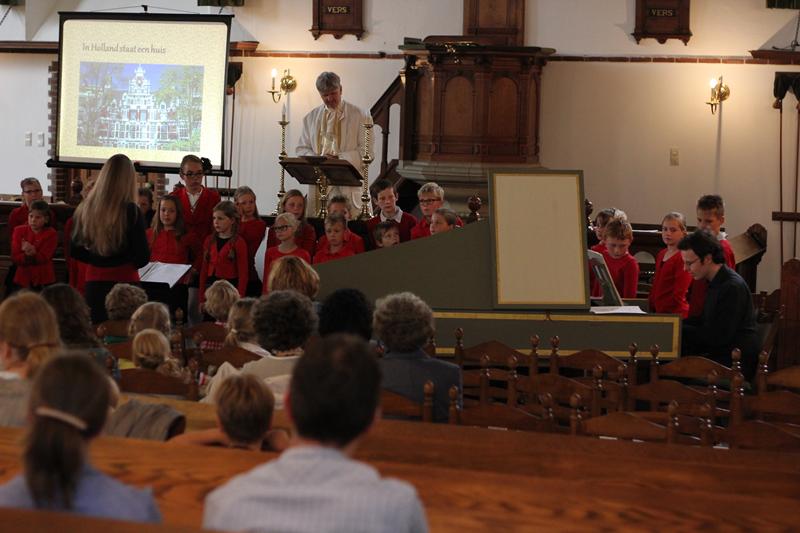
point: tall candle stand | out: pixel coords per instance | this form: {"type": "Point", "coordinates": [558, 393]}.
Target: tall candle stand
{"type": "Point", "coordinates": [282, 192]}
{"type": "Point", "coordinates": [366, 158]}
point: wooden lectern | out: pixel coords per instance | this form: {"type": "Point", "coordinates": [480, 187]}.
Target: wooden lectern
{"type": "Point", "coordinates": [323, 172]}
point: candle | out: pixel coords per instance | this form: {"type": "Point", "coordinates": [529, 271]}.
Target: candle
{"type": "Point", "coordinates": [369, 120]}
{"type": "Point", "coordinates": [274, 74]}
{"type": "Point", "coordinates": [283, 113]}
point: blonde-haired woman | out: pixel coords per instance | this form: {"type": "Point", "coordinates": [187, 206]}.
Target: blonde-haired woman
{"type": "Point", "coordinates": [28, 338]}
{"type": "Point", "coordinates": [109, 233]}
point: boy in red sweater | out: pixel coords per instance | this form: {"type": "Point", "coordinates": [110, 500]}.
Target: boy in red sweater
{"type": "Point", "coordinates": [386, 199]}
{"type": "Point", "coordinates": [338, 204]}
{"type": "Point", "coordinates": [710, 218]}
{"type": "Point", "coordinates": [335, 226]}
{"type": "Point", "coordinates": [386, 234]}
{"type": "Point", "coordinates": [622, 265]}
{"type": "Point", "coordinates": [431, 198]}
{"type": "Point", "coordinates": [196, 200]}
{"type": "Point", "coordinates": [32, 248]}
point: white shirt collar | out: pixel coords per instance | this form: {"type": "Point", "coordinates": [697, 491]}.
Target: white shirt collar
{"type": "Point", "coordinates": [398, 215]}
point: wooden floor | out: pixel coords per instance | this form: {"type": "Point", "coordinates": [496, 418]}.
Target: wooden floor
{"type": "Point", "coordinates": [472, 479]}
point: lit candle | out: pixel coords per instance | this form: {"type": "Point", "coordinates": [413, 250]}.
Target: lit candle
{"type": "Point", "coordinates": [369, 120]}
{"type": "Point", "coordinates": [283, 113]}
{"type": "Point", "coordinates": [274, 75]}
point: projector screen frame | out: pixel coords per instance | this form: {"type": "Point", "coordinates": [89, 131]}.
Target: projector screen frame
{"type": "Point", "coordinates": [64, 16]}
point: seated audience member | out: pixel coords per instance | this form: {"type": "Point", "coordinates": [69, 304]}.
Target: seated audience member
{"type": "Point", "coordinates": [241, 331]}
{"type": "Point", "coordinates": [33, 245]}
{"type": "Point", "coordinates": [671, 280]}
{"type": "Point", "coordinates": [284, 321]}
{"type": "Point", "coordinates": [338, 204]}
{"type": "Point", "coordinates": [728, 320]}
{"type": "Point", "coordinates": [151, 351]}
{"type": "Point", "coordinates": [622, 266]}
{"type": "Point", "coordinates": [386, 198]}
{"type": "Point", "coordinates": [28, 338]}
{"type": "Point", "coordinates": [145, 202]}
{"type": "Point", "coordinates": [335, 248]}
{"type": "Point", "coordinates": [443, 220]}
{"type": "Point", "coordinates": [599, 226]}
{"type": "Point", "coordinates": [294, 274]}
{"type": "Point", "coordinates": [123, 299]}
{"type": "Point", "coordinates": [294, 203]}
{"type": "Point", "coordinates": [152, 315]}
{"type": "Point", "coordinates": [431, 198]}
{"type": "Point", "coordinates": [346, 311]}
{"type": "Point", "coordinates": [244, 417]}
{"type": "Point", "coordinates": [219, 299]}
{"type": "Point", "coordinates": [403, 324]}
{"type": "Point", "coordinates": [68, 408]}
{"type": "Point", "coordinates": [74, 324]}
{"type": "Point", "coordinates": [285, 228]}
{"type": "Point", "coordinates": [315, 485]}
{"type": "Point", "coordinates": [386, 234]}
{"type": "Point", "coordinates": [710, 217]}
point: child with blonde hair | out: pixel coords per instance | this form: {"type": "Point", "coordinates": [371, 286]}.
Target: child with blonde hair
{"type": "Point", "coordinates": [241, 331]}
{"type": "Point", "coordinates": [671, 280]}
{"type": "Point", "coordinates": [224, 252]}
{"type": "Point", "coordinates": [220, 297]}
{"type": "Point", "coordinates": [151, 351]}
{"type": "Point", "coordinates": [285, 228]}
{"type": "Point", "coordinates": [252, 229]}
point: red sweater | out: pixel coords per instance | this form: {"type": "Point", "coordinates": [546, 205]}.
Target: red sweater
{"type": "Point", "coordinates": [323, 255]}
{"type": "Point", "coordinates": [19, 217]}
{"type": "Point", "coordinates": [699, 287]}
{"type": "Point", "coordinates": [34, 270]}
{"type": "Point", "coordinates": [670, 283]}
{"type": "Point", "coordinates": [625, 273]}
{"type": "Point", "coordinates": [200, 220]}
{"type": "Point", "coordinates": [306, 238]}
{"type": "Point", "coordinates": [351, 240]}
{"type": "Point", "coordinates": [230, 262]}
{"type": "Point", "coordinates": [167, 249]}
{"type": "Point", "coordinates": [273, 254]}
{"type": "Point", "coordinates": [252, 231]}
{"type": "Point", "coordinates": [407, 223]}
{"type": "Point", "coordinates": [423, 228]}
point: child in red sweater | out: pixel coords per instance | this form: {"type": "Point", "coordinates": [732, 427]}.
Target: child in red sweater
{"type": "Point", "coordinates": [171, 243]}
{"type": "Point", "coordinates": [335, 226]}
{"type": "Point", "coordinates": [252, 230]}
{"type": "Point", "coordinates": [338, 204]}
{"type": "Point", "coordinates": [295, 203]}
{"type": "Point", "coordinates": [386, 198]}
{"type": "Point", "coordinates": [285, 228]}
{"type": "Point", "coordinates": [224, 251]}
{"type": "Point", "coordinates": [671, 281]}
{"type": "Point", "coordinates": [196, 200]}
{"type": "Point", "coordinates": [622, 265]}
{"type": "Point", "coordinates": [599, 226]}
{"type": "Point", "coordinates": [710, 217]}
{"type": "Point", "coordinates": [32, 248]}
{"type": "Point", "coordinates": [386, 234]}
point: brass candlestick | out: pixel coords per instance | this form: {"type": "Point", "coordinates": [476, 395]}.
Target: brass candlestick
{"type": "Point", "coordinates": [281, 193]}
{"type": "Point", "coordinates": [322, 187]}
{"type": "Point", "coordinates": [366, 158]}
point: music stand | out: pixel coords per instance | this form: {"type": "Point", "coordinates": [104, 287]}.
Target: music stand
{"type": "Point", "coordinates": [322, 172]}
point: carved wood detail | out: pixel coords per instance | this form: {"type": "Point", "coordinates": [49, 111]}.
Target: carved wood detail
{"type": "Point", "coordinates": [500, 22]}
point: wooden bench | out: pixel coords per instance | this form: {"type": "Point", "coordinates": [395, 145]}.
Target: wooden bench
{"type": "Point", "coordinates": [27, 521]}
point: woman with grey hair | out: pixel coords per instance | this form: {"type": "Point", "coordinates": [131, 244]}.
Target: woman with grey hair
{"type": "Point", "coordinates": [333, 129]}
{"type": "Point", "coordinates": [403, 324]}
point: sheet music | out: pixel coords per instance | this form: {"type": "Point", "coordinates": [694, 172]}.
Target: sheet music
{"type": "Point", "coordinates": [617, 309]}
{"type": "Point", "coordinates": [168, 273]}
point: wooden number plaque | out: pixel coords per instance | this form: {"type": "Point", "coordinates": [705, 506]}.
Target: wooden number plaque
{"type": "Point", "coordinates": [338, 18]}
{"type": "Point", "coordinates": [662, 20]}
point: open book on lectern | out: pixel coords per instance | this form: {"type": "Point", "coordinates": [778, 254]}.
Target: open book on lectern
{"type": "Point", "coordinates": [597, 263]}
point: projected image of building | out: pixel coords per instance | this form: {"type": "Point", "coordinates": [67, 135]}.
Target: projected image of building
{"type": "Point", "coordinates": [129, 106]}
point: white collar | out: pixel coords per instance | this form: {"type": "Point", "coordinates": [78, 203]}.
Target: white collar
{"type": "Point", "coordinates": [398, 215]}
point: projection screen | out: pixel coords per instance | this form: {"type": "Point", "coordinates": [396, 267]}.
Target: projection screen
{"type": "Point", "coordinates": [151, 86]}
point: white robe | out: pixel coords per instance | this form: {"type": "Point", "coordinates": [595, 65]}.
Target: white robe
{"type": "Point", "coordinates": [351, 148]}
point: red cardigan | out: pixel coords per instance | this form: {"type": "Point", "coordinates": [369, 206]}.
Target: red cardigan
{"type": "Point", "coordinates": [306, 238]}
{"type": "Point", "coordinates": [699, 287]}
{"type": "Point", "coordinates": [423, 228]}
{"type": "Point", "coordinates": [165, 248]}
{"type": "Point", "coordinates": [323, 255]}
{"type": "Point", "coordinates": [200, 220]}
{"type": "Point", "coordinates": [34, 270]}
{"type": "Point", "coordinates": [625, 273]}
{"type": "Point", "coordinates": [273, 254]}
{"type": "Point", "coordinates": [252, 231]}
{"type": "Point", "coordinates": [670, 283]}
{"type": "Point", "coordinates": [221, 265]}
{"type": "Point", "coordinates": [351, 240]}
{"type": "Point", "coordinates": [407, 222]}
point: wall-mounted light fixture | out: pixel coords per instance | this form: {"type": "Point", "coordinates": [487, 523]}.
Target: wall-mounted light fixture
{"type": "Point", "coordinates": [287, 85]}
{"type": "Point", "coordinates": [719, 93]}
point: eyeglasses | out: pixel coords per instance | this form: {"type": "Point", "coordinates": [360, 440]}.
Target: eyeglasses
{"type": "Point", "coordinates": [281, 228]}
{"type": "Point", "coordinates": [426, 201]}
{"type": "Point", "coordinates": [192, 174]}
{"type": "Point", "coordinates": [32, 191]}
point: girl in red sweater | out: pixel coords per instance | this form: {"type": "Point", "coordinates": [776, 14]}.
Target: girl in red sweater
{"type": "Point", "coordinates": [32, 248]}
{"type": "Point", "coordinates": [224, 251]}
{"type": "Point", "coordinates": [251, 229]}
{"type": "Point", "coordinates": [171, 243]}
{"type": "Point", "coordinates": [671, 281]}
{"type": "Point", "coordinates": [285, 228]}
{"type": "Point", "coordinates": [295, 203]}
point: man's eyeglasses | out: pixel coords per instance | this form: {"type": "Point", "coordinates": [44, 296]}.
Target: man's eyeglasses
{"type": "Point", "coordinates": [192, 174]}
{"type": "Point", "coordinates": [281, 228]}
{"type": "Point", "coordinates": [32, 191]}
{"type": "Point", "coordinates": [426, 201]}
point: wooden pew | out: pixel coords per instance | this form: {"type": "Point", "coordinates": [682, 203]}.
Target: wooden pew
{"type": "Point", "coordinates": [27, 521]}
{"type": "Point", "coordinates": [556, 493]}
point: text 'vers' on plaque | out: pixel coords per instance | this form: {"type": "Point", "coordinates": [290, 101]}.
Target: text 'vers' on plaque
{"type": "Point", "coordinates": [662, 20]}
{"type": "Point", "coordinates": [338, 18]}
